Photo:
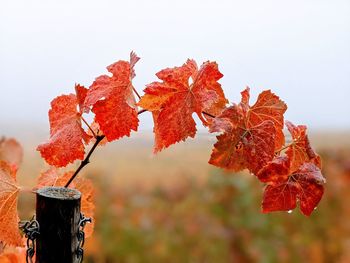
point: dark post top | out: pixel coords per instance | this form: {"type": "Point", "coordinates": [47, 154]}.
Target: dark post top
{"type": "Point", "coordinates": [58, 214]}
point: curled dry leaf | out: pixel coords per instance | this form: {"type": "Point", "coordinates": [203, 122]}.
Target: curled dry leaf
{"type": "Point", "coordinates": [174, 100]}
{"type": "Point", "coordinates": [9, 191]}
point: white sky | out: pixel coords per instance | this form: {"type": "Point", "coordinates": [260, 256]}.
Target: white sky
{"type": "Point", "coordinates": [300, 49]}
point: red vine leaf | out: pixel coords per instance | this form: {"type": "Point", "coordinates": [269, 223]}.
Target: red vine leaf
{"type": "Point", "coordinates": [267, 107]}
{"type": "Point", "coordinates": [275, 171]}
{"type": "Point", "coordinates": [11, 152]}
{"type": "Point", "coordinates": [174, 100]}
{"type": "Point", "coordinates": [286, 188]}
{"type": "Point", "coordinates": [66, 134]}
{"type": "Point", "coordinates": [52, 177]}
{"type": "Point", "coordinates": [9, 190]}
{"type": "Point", "coordinates": [250, 133]}
{"type": "Point", "coordinates": [300, 150]}
{"type": "Point", "coordinates": [112, 100]}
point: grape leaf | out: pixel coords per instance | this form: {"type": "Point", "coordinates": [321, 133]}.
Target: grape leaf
{"type": "Point", "coordinates": [300, 151]}
{"type": "Point", "coordinates": [66, 134]}
{"type": "Point", "coordinates": [285, 187]}
{"type": "Point", "coordinates": [174, 100]}
{"type": "Point", "coordinates": [249, 133]}
{"type": "Point", "coordinates": [267, 107]}
{"type": "Point", "coordinates": [9, 190]}
{"type": "Point", "coordinates": [244, 148]}
{"type": "Point", "coordinates": [11, 152]}
{"type": "Point", "coordinates": [275, 171]}
{"type": "Point", "coordinates": [112, 100]}
{"type": "Point", "coordinates": [52, 177]}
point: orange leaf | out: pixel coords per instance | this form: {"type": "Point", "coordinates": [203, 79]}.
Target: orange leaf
{"type": "Point", "coordinates": [174, 100]}
{"type": "Point", "coordinates": [113, 101]}
{"type": "Point", "coordinates": [86, 188]}
{"type": "Point", "coordinates": [11, 151]}
{"type": "Point", "coordinates": [300, 150]}
{"type": "Point", "coordinates": [241, 148]}
{"type": "Point", "coordinates": [250, 133]}
{"type": "Point", "coordinates": [14, 255]}
{"type": "Point", "coordinates": [66, 134]}
{"type": "Point", "coordinates": [267, 107]}
{"type": "Point", "coordinates": [285, 188]}
{"type": "Point", "coordinates": [9, 190]}
{"type": "Point", "coordinates": [51, 177]}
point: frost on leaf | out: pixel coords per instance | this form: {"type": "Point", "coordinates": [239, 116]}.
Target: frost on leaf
{"type": "Point", "coordinates": [174, 99]}
{"type": "Point", "coordinates": [112, 100]}
{"type": "Point", "coordinates": [9, 190]}
{"type": "Point", "coordinates": [52, 177]}
{"type": "Point", "coordinates": [250, 133]}
{"type": "Point", "coordinates": [286, 187]}
{"type": "Point", "coordinates": [300, 150]}
{"type": "Point", "coordinates": [66, 134]}
{"type": "Point", "coordinates": [11, 152]}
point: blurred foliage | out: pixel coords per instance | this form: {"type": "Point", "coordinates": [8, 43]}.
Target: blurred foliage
{"type": "Point", "coordinates": [214, 220]}
{"type": "Point", "coordinates": [220, 221]}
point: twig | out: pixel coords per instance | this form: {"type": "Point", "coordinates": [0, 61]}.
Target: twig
{"type": "Point", "coordinates": [86, 161]}
{"type": "Point", "coordinates": [83, 163]}
{"type": "Point", "coordinates": [137, 94]}
{"type": "Point", "coordinates": [141, 111]}
{"type": "Point", "coordinates": [208, 114]}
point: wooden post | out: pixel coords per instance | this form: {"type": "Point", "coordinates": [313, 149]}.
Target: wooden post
{"type": "Point", "coordinates": [58, 214]}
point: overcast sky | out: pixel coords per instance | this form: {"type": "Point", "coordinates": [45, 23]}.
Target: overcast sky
{"type": "Point", "coordinates": [300, 49]}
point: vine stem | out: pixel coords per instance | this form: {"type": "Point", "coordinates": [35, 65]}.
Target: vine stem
{"type": "Point", "coordinates": [208, 114]}
{"type": "Point", "coordinates": [99, 138]}
{"type": "Point", "coordinates": [137, 94]}
{"type": "Point", "coordinates": [92, 131]}
{"type": "Point", "coordinates": [86, 161]}
{"type": "Point", "coordinates": [285, 147]}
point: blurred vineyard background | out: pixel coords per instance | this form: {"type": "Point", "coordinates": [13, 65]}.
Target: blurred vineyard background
{"type": "Point", "coordinates": [174, 207]}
